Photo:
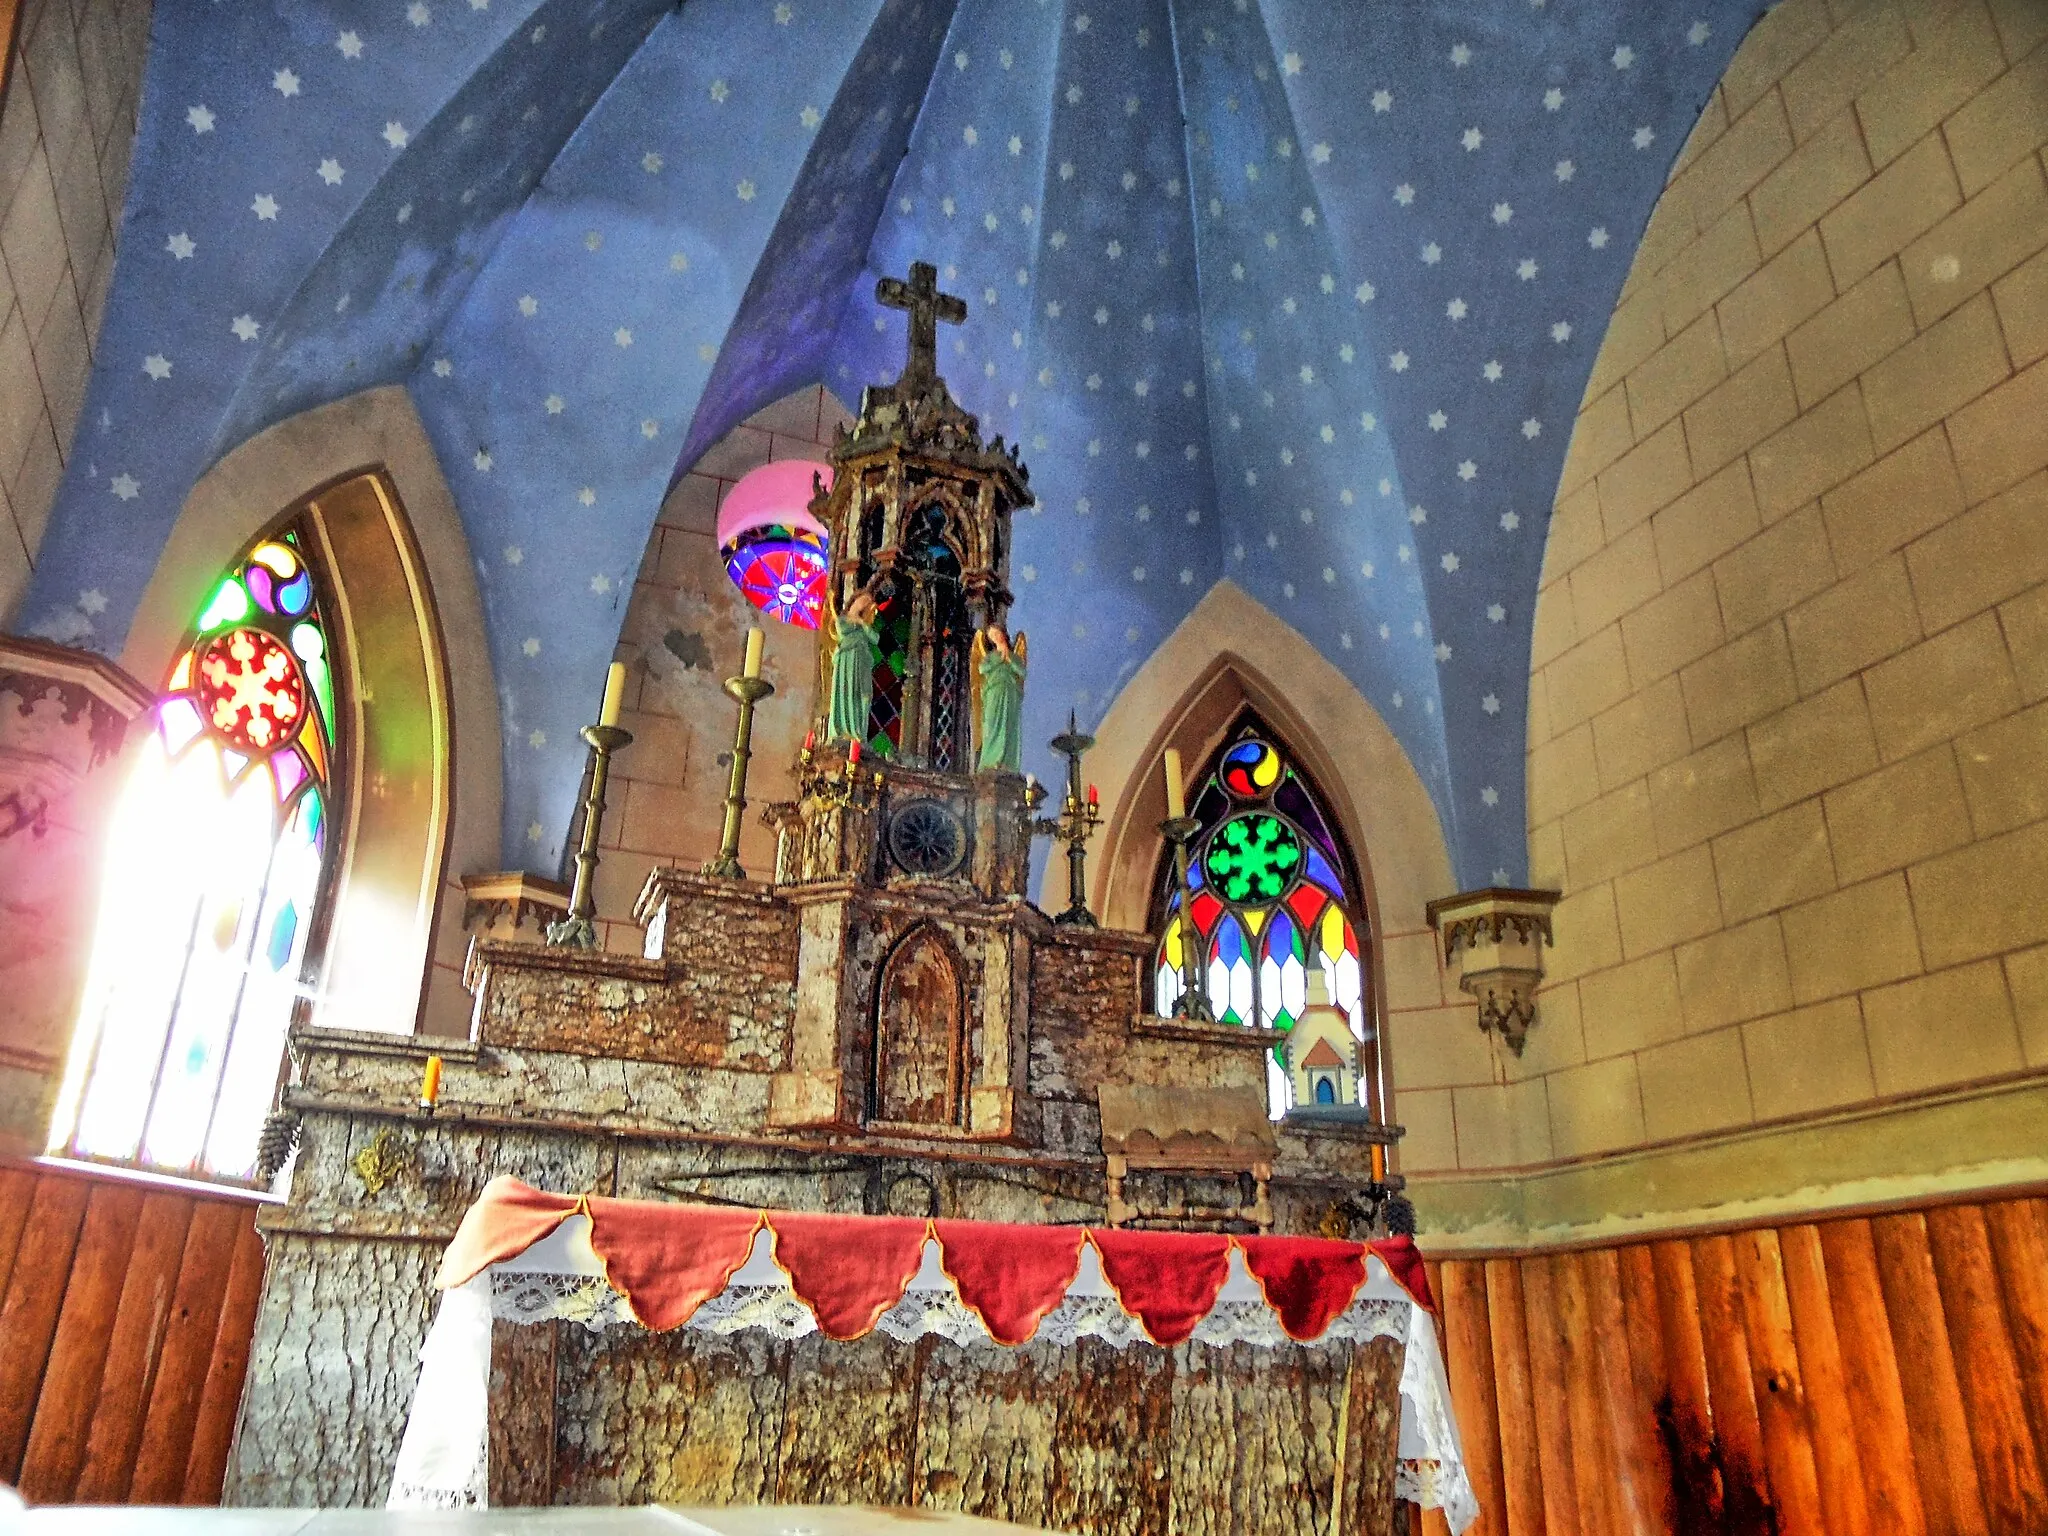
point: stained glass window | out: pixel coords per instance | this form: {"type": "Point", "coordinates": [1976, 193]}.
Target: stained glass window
{"type": "Point", "coordinates": [781, 571]}
{"type": "Point", "coordinates": [1267, 901]}
{"type": "Point", "coordinates": [215, 855]}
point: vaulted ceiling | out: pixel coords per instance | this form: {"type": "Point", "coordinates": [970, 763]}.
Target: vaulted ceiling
{"type": "Point", "coordinates": [1296, 293]}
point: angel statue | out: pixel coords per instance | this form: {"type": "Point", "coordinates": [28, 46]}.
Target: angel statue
{"type": "Point", "coordinates": [856, 643]}
{"type": "Point", "coordinates": [998, 678]}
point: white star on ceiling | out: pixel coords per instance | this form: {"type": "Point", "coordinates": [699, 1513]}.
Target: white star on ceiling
{"type": "Point", "coordinates": [587, 496]}
{"type": "Point", "coordinates": [1597, 237]}
{"type": "Point", "coordinates": [1510, 521]}
{"type": "Point", "coordinates": [554, 405]}
{"type": "Point", "coordinates": [529, 306]}
{"type": "Point", "coordinates": [1495, 613]}
{"type": "Point", "coordinates": [1624, 56]}
{"type": "Point", "coordinates": [809, 117]}
{"type": "Point", "coordinates": [1383, 101]}
{"type": "Point", "coordinates": [244, 327]}
{"type": "Point", "coordinates": [1460, 55]}
{"type": "Point", "coordinates": [622, 337]}
{"type": "Point", "coordinates": [201, 119]}
{"type": "Point", "coordinates": [443, 367]}
{"type": "Point", "coordinates": [1553, 99]}
{"type": "Point", "coordinates": [125, 486]}
{"type": "Point", "coordinates": [395, 135]}
{"type": "Point", "coordinates": [1525, 269]}
{"type": "Point", "coordinates": [157, 366]}
{"type": "Point", "coordinates": [331, 172]}
{"type": "Point", "coordinates": [1472, 138]}
{"type": "Point", "coordinates": [418, 14]}
{"type": "Point", "coordinates": [285, 83]}
{"type": "Point", "coordinates": [350, 44]}
{"type": "Point", "coordinates": [1698, 33]}
{"type": "Point", "coordinates": [600, 584]}
{"type": "Point", "coordinates": [1532, 428]}
{"type": "Point", "coordinates": [1643, 137]}
{"type": "Point", "coordinates": [651, 163]}
{"type": "Point", "coordinates": [181, 246]}
{"type": "Point", "coordinates": [264, 207]}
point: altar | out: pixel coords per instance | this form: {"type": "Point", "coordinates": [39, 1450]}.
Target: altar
{"type": "Point", "coordinates": [1075, 1378]}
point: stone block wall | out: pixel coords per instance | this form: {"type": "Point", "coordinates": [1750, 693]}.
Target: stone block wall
{"type": "Point", "coordinates": [65, 132]}
{"type": "Point", "coordinates": [1790, 671]}
{"type": "Point", "coordinates": [684, 635]}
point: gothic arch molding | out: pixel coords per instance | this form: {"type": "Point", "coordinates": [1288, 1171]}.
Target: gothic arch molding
{"type": "Point", "coordinates": [364, 464]}
{"type": "Point", "coordinates": [917, 1070]}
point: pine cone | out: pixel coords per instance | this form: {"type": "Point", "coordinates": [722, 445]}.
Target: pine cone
{"type": "Point", "coordinates": [276, 1143]}
{"type": "Point", "coordinates": [1400, 1216]}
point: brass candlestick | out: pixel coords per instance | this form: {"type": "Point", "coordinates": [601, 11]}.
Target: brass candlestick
{"type": "Point", "coordinates": [1075, 824]}
{"type": "Point", "coordinates": [577, 930]}
{"type": "Point", "coordinates": [749, 691]}
{"type": "Point", "coordinates": [1193, 1002]}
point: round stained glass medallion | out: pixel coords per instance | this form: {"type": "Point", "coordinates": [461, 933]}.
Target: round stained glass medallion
{"type": "Point", "coordinates": [1252, 857]}
{"type": "Point", "coordinates": [926, 838]}
{"type": "Point", "coordinates": [1250, 769]}
{"type": "Point", "coordinates": [250, 690]}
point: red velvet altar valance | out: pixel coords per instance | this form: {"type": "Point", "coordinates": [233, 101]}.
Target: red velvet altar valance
{"type": "Point", "coordinates": [668, 1260]}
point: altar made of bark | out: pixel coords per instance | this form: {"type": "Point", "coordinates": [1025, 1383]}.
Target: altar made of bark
{"type": "Point", "coordinates": [887, 1025]}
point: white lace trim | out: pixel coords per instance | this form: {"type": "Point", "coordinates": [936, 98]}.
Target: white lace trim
{"type": "Point", "coordinates": [443, 1461]}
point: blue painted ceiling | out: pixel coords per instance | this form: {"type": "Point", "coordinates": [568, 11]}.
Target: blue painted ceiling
{"type": "Point", "coordinates": [1298, 293]}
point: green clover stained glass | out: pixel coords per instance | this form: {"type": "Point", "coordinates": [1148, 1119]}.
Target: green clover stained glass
{"type": "Point", "coordinates": [1253, 857]}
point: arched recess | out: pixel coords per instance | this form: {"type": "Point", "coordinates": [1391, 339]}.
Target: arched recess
{"type": "Point", "coordinates": [919, 1033]}
{"type": "Point", "coordinates": [1224, 657]}
{"type": "Point", "coordinates": [426, 782]}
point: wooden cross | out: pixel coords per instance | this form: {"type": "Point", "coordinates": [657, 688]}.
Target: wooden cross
{"type": "Point", "coordinates": [927, 307]}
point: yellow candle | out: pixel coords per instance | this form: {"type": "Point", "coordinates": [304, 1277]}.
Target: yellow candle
{"type": "Point", "coordinates": [1379, 1163]}
{"type": "Point", "coordinates": [755, 638]}
{"type": "Point", "coordinates": [430, 1085]}
{"type": "Point", "coordinates": [1176, 803]}
{"type": "Point", "coordinates": [614, 690]}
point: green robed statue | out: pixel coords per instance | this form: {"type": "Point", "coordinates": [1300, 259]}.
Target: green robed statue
{"type": "Point", "coordinates": [998, 676]}
{"type": "Point", "coordinates": [857, 642]}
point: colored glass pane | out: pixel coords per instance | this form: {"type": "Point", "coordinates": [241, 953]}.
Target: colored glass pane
{"type": "Point", "coordinates": [1306, 902]}
{"type": "Point", "coordinates": [1203, 911]}
{"type": "Point", "coordinates": [1252, 857]}
{"type": "Point", "coordinates": [1320, 870]}
{"type": "Point", "coordinates": [213, 875]}
{"type": "Point", "coordinates": [781, 571]}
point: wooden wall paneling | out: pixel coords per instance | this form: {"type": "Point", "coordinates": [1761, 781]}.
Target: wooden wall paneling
{"type": "Point", "coordinates": [2019, 1237]}
{"type": "Point", "coordinates": [1837, 1465]}
{"type": "Point", "coordinates": [1636, 1273]}
{"type": "Point", "coordinates": [1551, 1418]}
{"type": "Point", "coordinates": [220, 1398]}
{"type": "Point", "coordinates": [1746, 1504]}
{"type": "Point", "coordinates": [17, 1190]}
{"type": "Point", "coordinates": [1468, 1330]}
{"type": "Point", "coordinates": [1942, 1454]}
{"type": "Point", "coordinates": [1521, 1468]}
{"type": "Point", "coordinates": [1592, 1439]}
{"type": "Point", "coordinates": [1632, 1435]}
{"type": "Point", "coordinates": [167, 1428]}
{"type": "Point", "coordinates": [28, 1315]}
{"type": "Point", "coordinates": [2008, 1463]}
{"type": "Point", "coordinates": [1690, 1437]}
{"type": "Point", "coordinates": [78, 1351]}
{"type": "Point", "coordinates": [135, 1348]}
{"type": "Point", "coordinates": [1779, 1382]}
{"type": "Point", "coordinates": [1870, 1376]}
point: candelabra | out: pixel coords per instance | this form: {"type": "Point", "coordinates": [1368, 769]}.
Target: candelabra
{"type": "Point", "coordinates": [577, 930]}
{"type": "Point", "coordinates": [847, 788]}
{"type": "Point", "coordinates": [747, 691]}
{"type": "Point", "coordinates": [1075, 824]}
{"type": "Point", "coordinates": [1193, 1002]}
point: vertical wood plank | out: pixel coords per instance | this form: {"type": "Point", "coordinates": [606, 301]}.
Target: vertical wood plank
{"type": "Point", "coordinates": [2019, 1238]}
{"type": "Point", "coordinates": [1549, 1392]}
{"type": "Point", "coordinates": [78, 1350]}
{"type": "Point", "coordinates": [136, 1347]}
{"type": "Point", "coordinates": [1693, 1445]}
{"type": "Point", "coordinates": [1876, 1398]}
{"type": "Point", "coordinates": [1470, 1360]}
{"type": "Point", "coordinates": [188, 1346]}
{"type": "Point", "coordinates": [1651, 1379]}
{"type": "Point", "coordinates": [1835, 1431]}
{"type": "Point", "coordinates": [2008, 1463]}
{"type": "Point", "coordinates": [17, 1190]}
{"type": "Point", "coordinates": [1592, 1443]}
{"type": "Point", "coordinates": [1781, 1387]}
{"type": "Point", "coordinates": [28, 1316]}
{"type": "Point", "coordinates": [220, 1398]}
{"type": "Point", "coordinates": [1738, 1434]}
{"type": "Point", "coordinates": [1641, 1482]}
{"type": "Point", "coordinates": [1935, 1417]}
{"type": "Point", "coordinates": [1521, 1468]}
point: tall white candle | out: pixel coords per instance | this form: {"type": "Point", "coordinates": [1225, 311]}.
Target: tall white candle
{"type": "Point", "coordinates": [1176, 802]}
{"type": "Point", "coordinates": [755, 638]}
{"type": "Point", "coordinates": [614, 691]}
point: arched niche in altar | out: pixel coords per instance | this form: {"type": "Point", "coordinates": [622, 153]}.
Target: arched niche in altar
{"type": "Point", "coordinates": [919, 1036]}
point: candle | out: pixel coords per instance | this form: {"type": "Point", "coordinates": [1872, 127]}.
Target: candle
{"type": "Point", "coordinates": [1379, 1163]}
{"type": "Point", "coordinates": [755, 638]}
{"type": "Point", "coordinates": [1092, 800]}
{"type": "Point", "coordinates": [1176, 804]}
{"type": "Point", "coordinates": [810, 739]}
{"type": "Point", "coordinates": [614, 690]}
{"type": "Point", "coordinates": [853, 754]}
{"type": "Point", "coordinates": [430, 1085]}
